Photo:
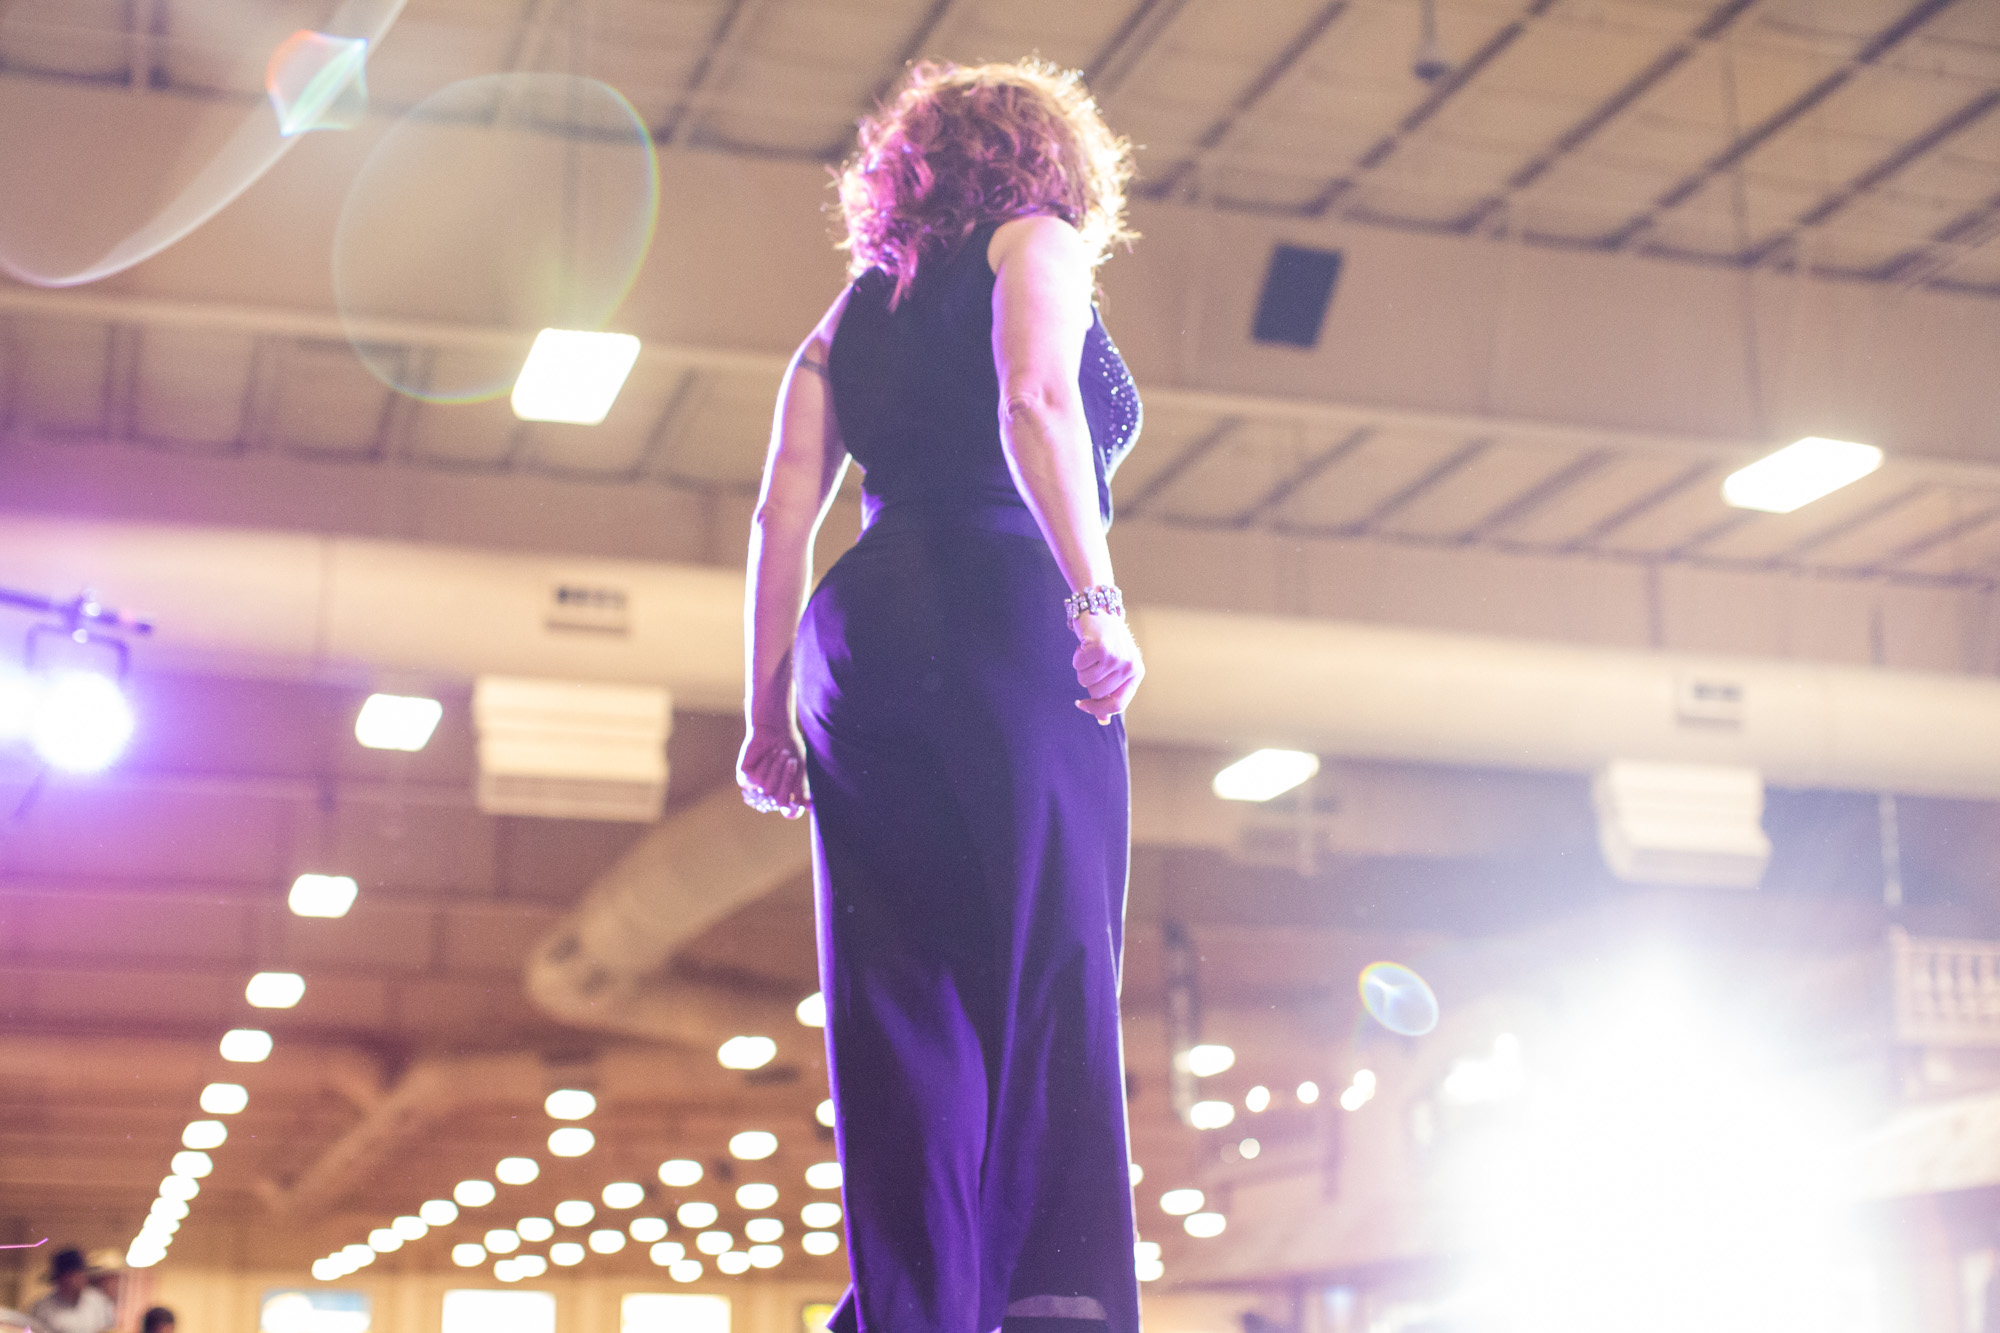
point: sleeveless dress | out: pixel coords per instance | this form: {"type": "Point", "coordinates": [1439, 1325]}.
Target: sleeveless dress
{"type": "Point", "coordinates": [971, 837]}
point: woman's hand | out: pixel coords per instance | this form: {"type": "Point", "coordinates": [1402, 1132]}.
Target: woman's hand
{"type": "Point", "coordinates": [1107, 664]}
{"type": "Point", "coordinates": [771, 770]}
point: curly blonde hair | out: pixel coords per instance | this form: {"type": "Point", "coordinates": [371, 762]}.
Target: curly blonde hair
{"type": "Point", "coordinates": [961, 145]}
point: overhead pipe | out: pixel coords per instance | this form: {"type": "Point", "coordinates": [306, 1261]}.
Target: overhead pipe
{"type": "Point", "coordinates": [297, 605]}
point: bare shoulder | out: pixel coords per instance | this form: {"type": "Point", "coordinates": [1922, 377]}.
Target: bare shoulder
{"type": "Point", "coordinates": [1039, 240]}
{"type": "Point", "coordinates": [813, 352]}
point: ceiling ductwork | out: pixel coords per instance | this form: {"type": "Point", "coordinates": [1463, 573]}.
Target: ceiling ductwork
{"type": "Point", "coordinates": [248, 603]}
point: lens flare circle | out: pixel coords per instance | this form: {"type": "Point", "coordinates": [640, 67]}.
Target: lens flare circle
{"type": "Point", "coordinates": [1398, 999]}
{"type": "Point", "coordinates": [508, 203]}
{"type": "Point", "coordinates": [111, 178]}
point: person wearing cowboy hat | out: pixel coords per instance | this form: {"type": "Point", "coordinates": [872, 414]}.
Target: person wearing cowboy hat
{"type": "Point", "coordinates": [75, 1306]}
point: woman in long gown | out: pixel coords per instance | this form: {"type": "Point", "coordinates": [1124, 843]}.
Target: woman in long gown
{"type": "Point", "coordinates": [948, 706]}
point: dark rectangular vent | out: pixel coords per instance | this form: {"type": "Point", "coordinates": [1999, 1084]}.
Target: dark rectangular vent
{"type": "Point", "coordinates": [1298, 288]}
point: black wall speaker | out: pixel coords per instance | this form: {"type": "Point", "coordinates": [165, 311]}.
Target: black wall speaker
{"type": "Point", "coordinates": [1298, 288]}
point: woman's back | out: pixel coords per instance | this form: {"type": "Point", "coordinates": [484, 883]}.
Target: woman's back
{"type": "Point", "coordinates": [918, 399]}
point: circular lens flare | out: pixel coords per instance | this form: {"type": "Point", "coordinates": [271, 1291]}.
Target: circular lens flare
{"type": "Point", "coordinates": [1398, 999]}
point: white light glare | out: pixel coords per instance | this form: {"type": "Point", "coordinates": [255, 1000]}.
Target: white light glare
{"type": "Point", "coordinates": [80, 722]}
{"type": "Point", "coordinates": [710, 1242]}
{"type": "Point", "coordinates": [530, 1265]}
{"type": "Point", "coordinates": [201, 1135]}
{"type": "Point", "coordinates": [1358, 1093]}
{"type": "Point", "coordinates": [569, 1104]}
{"type": "Point", "coordinates": [397, 722]}
{"type": "Point", "coordinates": [819, 1242]}
{"type": "Point", "coordinates": [646, 1230]}
{"type": "Point", "coordinates": [812, 1010]}
{"type": "Point", "coordinates": [820, 1215]}
{"type": "Point", "coordinates": [571, 1141]}
{"type": "Point", "coordinates": [624, 1194]}
{"type": "Point", "coordinates": [756, 1197]}
{"type": "Point", "coordinates": [1257, 1100]}
{"type": "Point", "coordinates": [171, 1209]}
{"type": "Point", "coordinates": [573, 376]}
{"type": "Point", "coordinates": [1499, 1077]}
{"type": "Point", "coordinates": [1207, 1060]}
{"type": "Point", "coordinates": [824, 1113]}
{"type": "Point", "coordinates": [766, 1256]}
{"type": "Point", "coordinates": [180, 1186]}
{"type": "Point", "coordinates": [275, 990]}
{"type": "Point", "coordinates": [607, 1241]}
{"type": "Point", "coordinates": [1211, 1115]}
{"type": "Point", "coordinates": [678, 1172]}
{"type": "Point", "coordinates": [322, 895]}
{"type": "Point", "coordinates": [245, 1046]}
{"type": "Point", "coordinates": [410, 1227]}
{"type": "Point", "coordinates": [697, 1214]}
{"type": "Point", "coordinates": [566, 1253]}
{"type": "Point", "coordinates": [763, 1230]}
{"type": "Point", "coordinates": [666, 1252]}
{"type": "Point", "coordinates": [824, 1175]}
{"type": "Point", "coordinates": [438, 1212]}
{"type": "Point", "coordinates": [1203, 1226]}
{"type": "Point", "coordinates": [732, 1262]}
{"type": "Point", "coordinates": [1308, 1093]}
{"type": "Point", "coordinates": [1799, 473]}
{"type": "Point", "coordinates": [224, 1098]}
{"type": "Point", "coordinates": [474, 1193]}
{"type": "Point", "coordinates": [1264, 774]}
{"type": "Point", "coordinates": [1146, 1257]}
{"type": "Point", "coordinates": [534, 1229]}
{"type": "Point", "coordinates": [575, 1212]}
{"type": "Point", "coordinates": [1249, 1149]}
{"type": "Point", "coordinates": [502, 1240]}
{"type": "Point", "coordinates": [384, 1240]}
{"type": "Point", "coordinates": [684, 1270]}
{"type": "Point", "coordinates": [752, 1145]}
{"type": "Point", "coordinates": [193, 1165]}
{"type": "Point", "coordinates": [1137, 1172]}
{"type": "Point", "coordinates": [747, 1052]}
{"type": "Point", "coordinates": [467, 1255]}
{"type": "Point", "coordinates": [1179, 1203]}
{"type": "Point", "coordinates": [516, 1170]}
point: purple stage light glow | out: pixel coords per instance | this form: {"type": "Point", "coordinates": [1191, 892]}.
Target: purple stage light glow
{"type": "Point", "coordinates": [80, 722]}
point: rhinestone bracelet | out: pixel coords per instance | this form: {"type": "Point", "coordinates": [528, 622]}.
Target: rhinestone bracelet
{"type": "Point", "coordinates": [1103, 597]}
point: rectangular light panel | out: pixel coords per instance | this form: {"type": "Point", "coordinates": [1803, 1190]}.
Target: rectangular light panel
{"type": "Point", "coordinates": [1799, 473]}
{"type": "Point", "coordinates": [572, 376]}
{"type": "Point", "coordinates": [397, 722]}
{"type": "Point", "coordinates": [1265, 774]}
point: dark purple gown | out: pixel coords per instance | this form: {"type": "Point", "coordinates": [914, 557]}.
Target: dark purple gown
{"type": "Point", "coordinates": [971, 833]}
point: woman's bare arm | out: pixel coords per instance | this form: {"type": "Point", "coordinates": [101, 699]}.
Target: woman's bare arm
{"type": "Point", "coordinates": [1041, 313]}
{"type": "Point", "coordinates": [801, 472]}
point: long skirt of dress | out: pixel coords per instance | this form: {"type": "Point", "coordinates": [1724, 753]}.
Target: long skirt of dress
{"type": "Point", "coordinates": [971, 843]}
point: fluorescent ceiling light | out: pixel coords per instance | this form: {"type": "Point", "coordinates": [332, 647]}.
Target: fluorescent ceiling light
{"type": "Point", "coordinates": [572, 376]}
{"type": "Point", "coordinates": [678, 1172]}
{"type": "Point", "coordinates": [397, 722]}
{"type": "Point", "coordinates": [275, 990]}
{"type": "Point", "coordinates": [571, 1141]}
{"type": "Point", "coordinates": [516, 1171]}
{"type": "Point", "coordinates": [1206, 1060]}
{"type": "Point", "coordinates": [245, 1046]}
{"type": "Point", "coordinates": [752, 1145]}
{"type": "Point", "coordinates": [746, 1052]}
{"type": "Point", "coordinates": [224, 1098]}
{"type": "Point", "coordinates": [322, 895]}
{"type": "Point", "coordinates": [1799, 473]}
{"type": "Point", "coordinates": [1267, 773]}
{"type": "Point", "coordinates": [201, 1135]}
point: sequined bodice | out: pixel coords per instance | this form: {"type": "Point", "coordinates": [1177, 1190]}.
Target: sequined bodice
{"type": "Point", "coordinates": [918, 400]}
